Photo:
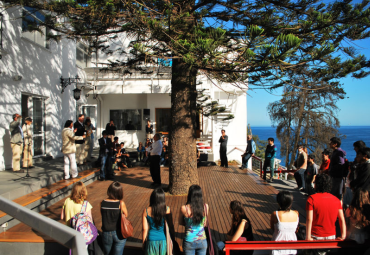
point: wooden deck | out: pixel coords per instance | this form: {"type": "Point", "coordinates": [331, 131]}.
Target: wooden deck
{"type": "Point", "coordinates": [220, 186]}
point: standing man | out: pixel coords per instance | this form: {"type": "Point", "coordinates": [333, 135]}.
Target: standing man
{"type": "Point", "coordinates": [69, 149]}
{"type": "Point", "coordinates": [16, 142]}
{"type": "Point", "coordinates": [105, 153]}
{"type": "Point", "coordinates": [336, 168]}
{"type": "Point", "coordinates": [80, 144]}
{"type": "Point", "coordinates": [362, 179]}
{"type": "Point", "coordinates": [110, 128]}
{"type": "Point", "coordinates": [223, 149]}
{"type": "Point", "coordinates": [27, 152]}
{"type": "Point", "coordinates": [270, 154]}
{"type": "Point", "coordinates": [249, 152]}
{"type": "Point", "coordinates": [155, 155]}
{"type": "Point", "coordinates": [301, 166]}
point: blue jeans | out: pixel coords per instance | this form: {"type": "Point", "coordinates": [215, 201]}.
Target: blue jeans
{"type": "Point", "coordinates": [301, 173]}
{"type": "Point", "coordinates": [197, 247]}
{"type": "Point", "coordinates": [102, 169]}
{"type": "Point", "coordinates": [112, 242]}
{"type": "Point", "coordinates": [245, 160]}
{"type": "Point", "coordinates": [221, 245]}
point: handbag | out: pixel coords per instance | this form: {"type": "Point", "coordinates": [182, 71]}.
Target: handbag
{"type": "Point", "coordinates": [126, 227]}
{"type": "Point", "coordinates": [207, 229]}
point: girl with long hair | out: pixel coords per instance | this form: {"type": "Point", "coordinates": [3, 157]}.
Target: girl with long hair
{"type": "Point", "coordinates": [154, 238]}
{"type": "Point", "coordinates": [111, 210]}
{"type": "Point", "coordinates": [240, 229]}
{"type": "Point", "coordinates": [73, 204]}
{"type": "Point", "coordinates": [193, 217]}
{"type": "Point", "coordinates": [358, 224]}
{"type": "Point", "coordinates": [284, 222]}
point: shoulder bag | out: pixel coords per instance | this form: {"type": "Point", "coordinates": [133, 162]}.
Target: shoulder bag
{"type": "Point", "coordinates": [126, 227]}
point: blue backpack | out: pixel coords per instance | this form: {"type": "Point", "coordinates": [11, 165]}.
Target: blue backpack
{"type": "Point", "coordinates": [83, 224]}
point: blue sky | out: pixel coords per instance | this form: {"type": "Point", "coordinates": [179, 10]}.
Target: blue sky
{"type": "Point", "coordinates": [352, 109]}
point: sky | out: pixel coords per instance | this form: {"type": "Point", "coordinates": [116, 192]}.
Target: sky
{"type": "Point", "coordinates": [352, 110]}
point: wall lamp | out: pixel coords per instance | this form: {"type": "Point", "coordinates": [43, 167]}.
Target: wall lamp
{"type": "Point", "coordinates": [64, 82]}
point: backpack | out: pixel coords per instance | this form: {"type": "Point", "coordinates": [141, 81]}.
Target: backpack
{"type": "Point", "coordinates": [83, 224]}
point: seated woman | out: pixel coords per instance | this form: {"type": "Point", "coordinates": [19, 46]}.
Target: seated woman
{"type": "Point", "coordinates": [140, 151]}
{"type": "Point", "coordinates": [284, 222]}
{"type": "Point", "coordinates": [111, 209]}
{"type": "Point", "coordinates": [193, 217]}
{"type": "Point", "coordinates": [240, 229]}
{"type": "Point", "coordinates": [73, 204]}
{"type": "Point", "coordinates": [358, 224]}
{"type": "Point", "coordinates": [154, 239]}
{"type": "Point", "coordinates": [164, 156]}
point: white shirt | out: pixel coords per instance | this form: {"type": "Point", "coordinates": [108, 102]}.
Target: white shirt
{"type": "Point", "coordinates": [156, 148]}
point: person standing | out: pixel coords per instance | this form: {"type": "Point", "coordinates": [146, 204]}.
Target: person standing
{"type": "Point", "coordinates": [336, 168]}
{"type": "Point", "coordinates": [149, 130]}
{"type": "Point", "coordinates": [88, 142]}
{"type": "Point", "coordinates": [16, 142]}
{"type": "Point", "coordinates": [111, 129]}
{"type": "Point", "coordinates": [311, 172]}
{"type": "Point", "coordinates": [324, 167]}
{"type": "Point", "coordinates": [105, 153]}
{"type": "Point", "coordinates": [155, 151]}
{"type": "Point", "coordinates": [249, 152]}
{"type": "Point", "coordinates": [362, 179]}
{"type": "Point", "coordinates": [270, 154]}
{"type": "Point", "coordinates": [301, 166]}
{"type": "Point", "coordinates": [69, 149]}
{"type": "Point", "coordinates": [80, 144]}
{"type": "Point", "coordinates": [223, 149]}
{"type": "Point", "coordinates": [28, 138]}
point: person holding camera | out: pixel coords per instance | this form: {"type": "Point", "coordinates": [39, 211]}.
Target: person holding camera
{"type": "Point", "coordinates": [16, 141]}
{"type": "Point", "coordinates": [27, 150]}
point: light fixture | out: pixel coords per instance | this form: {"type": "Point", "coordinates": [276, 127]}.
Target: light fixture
{"type": "Point", "coordinates": [64, 82]}
{"type": "Point", "coordinates": [77, 94]}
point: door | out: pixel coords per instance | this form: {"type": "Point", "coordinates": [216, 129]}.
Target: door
{"type": "Point", "coordinates": [90, 110]}
{"type": "Point", "coordinates": [38, 124]}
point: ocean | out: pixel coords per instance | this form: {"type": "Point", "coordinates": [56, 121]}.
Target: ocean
{"type": "Point", "coordinates": [353, 134]}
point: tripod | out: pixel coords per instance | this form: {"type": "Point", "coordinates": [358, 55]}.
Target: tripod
{"type": "Point", "coordinates": [27, 155]}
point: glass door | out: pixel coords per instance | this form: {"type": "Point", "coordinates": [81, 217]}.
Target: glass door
{"type": "Point", "coordinates": [90, 110]}
{"type": "Point", "coordinates": [38, 107]}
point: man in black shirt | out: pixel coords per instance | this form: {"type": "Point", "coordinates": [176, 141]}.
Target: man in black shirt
{"type": "Point", "coordinates": [80, 144]}
{"type": "Point", "coordinates": [105, 153]}
{"type": "Point", "coordinates": [223, 149]}
{"type": "Point", "coordinates": [110, 128]}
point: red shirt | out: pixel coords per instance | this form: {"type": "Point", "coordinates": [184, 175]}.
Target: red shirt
{"type": "Point", "coordinates": [325, 209]}
{"type": "Point", "coordinates": [325, 166]}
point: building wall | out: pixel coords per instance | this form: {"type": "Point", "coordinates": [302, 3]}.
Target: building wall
{"type": "Point", "coordinates": [40, 69]}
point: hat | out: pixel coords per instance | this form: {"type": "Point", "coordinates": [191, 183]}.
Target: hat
{"type": "Point", "coordinates": [28, 119]}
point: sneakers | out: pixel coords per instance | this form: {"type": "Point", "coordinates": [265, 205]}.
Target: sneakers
{"type": "Point", "coordinates": [241, 168]}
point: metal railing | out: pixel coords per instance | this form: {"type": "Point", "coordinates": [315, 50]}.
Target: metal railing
{"type": "Point", "coordinates": [64, 235]}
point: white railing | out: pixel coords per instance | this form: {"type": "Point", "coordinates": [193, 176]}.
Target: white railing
{"type": "Point", "coordinates": [64, 235]}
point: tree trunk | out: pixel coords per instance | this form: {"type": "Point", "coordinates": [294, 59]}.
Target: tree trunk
{"type": "Point", "coordinates": [182, 142]}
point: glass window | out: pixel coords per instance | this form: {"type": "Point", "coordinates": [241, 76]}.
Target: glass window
{"type": "Point", "coordinates": [129, 119]}
{"type": "Point", "coordinates": [83, 56]}
{"type": "Point", "coordinates": [163, 119]}
{"type": "Point", "coordinates": [32, 19]}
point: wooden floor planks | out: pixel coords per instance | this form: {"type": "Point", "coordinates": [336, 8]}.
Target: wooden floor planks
{"type": "Point", "coordinates": [220, 186]}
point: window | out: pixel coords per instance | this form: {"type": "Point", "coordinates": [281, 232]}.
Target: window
{"type": "Point", "coordinates": [163, 120]}
{"type": "Point", "coordinates": [32, 29]}
{"type": "Point", "coordinates": [129, 119]}
{"type": "Point", "coordinates": [83, 56]}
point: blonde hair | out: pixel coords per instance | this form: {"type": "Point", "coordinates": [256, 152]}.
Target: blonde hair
{"type": "Point", "coordinates": [79, 193]}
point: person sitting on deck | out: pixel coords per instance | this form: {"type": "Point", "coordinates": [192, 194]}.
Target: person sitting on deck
{"type": "Point", "coordinates": [193, 217]}
{"type": "Point", "coordinates": [140, 152]}
{"type": "Point", "coordinates": [323, 209]}
{"type": "Point", "coordinates": [164, 156]}
{"type": "Point", "coordinates": [240, 229]}
{"type": "Point", "coordinates": [284, 222]}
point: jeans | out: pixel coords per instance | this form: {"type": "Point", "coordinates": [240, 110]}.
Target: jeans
{"type": "Point", "coordinates": [197, 247]}
{"type": "Point", "coordinates": [112, 242]}
{"type": "Point", "coordinates": [245, 160]}
{"type": "Point", "coordinates": [299, 177]}
{"type": "Point", "coordinates": [103, 162]}
{"type": "Point", "coordinates": [268, 163]}
{"type": "Point", "coordinates": [221, 245]}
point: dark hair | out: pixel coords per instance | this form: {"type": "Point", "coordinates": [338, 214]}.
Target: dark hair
{"type": "Point", "coordinates": [238, 213]}
{"type": "Point", "coordinates": [87, 121]}
{"type": "Point", "coordinates": [365, 152]}
{"type": "Point", "coordinates": [223, 130]}
{"type": "Point", "coordinates": [359, 144]}
{"type": "Point", "coordinates": [311, 156]}
{"type": "Point", "coordinates": [158, 204]}
{"type": "Point", "coordinates": [104, 132]}
{"type": "Point", "coordinates": [360, 198]}
{"type": "Point", "coordinates": [285, 200]}
{"type": "Point", "coordinates": [336, 140]}
{"type": "Point", "coordinates": [323, 183]}
{"type": "Point", "coordinates": [115, 138]}
{"type": "Point", "coordinates": [326, 152]}
{"type": "Point", "coordinates": [68, 123]}
{"type": "Point", "coordinates": [111, 120]}
{"type": "Point", "coordinates": [115, 191]}
{"type": "Point", "coordinates": [270, 139]}
{"type": "Point", "coordinates": [80, 115]}
{"type": "Point", "coordinates": [195, 200]}
{"type": "Point", "coordinates": [122, 143]}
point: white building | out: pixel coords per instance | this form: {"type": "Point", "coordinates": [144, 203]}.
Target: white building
{"type": "Point", "coordinates": [30, 72]}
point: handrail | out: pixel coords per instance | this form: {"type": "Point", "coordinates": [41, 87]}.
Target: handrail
{"type": "Point", "coordinates": [260, 160]}
{"type": "Point", "coordinates": [64, 235]}
{"type": "Point", "coordinates": [292, 245]}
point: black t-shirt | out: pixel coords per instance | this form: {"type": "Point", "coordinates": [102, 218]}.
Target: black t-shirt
{"type": "Point", "coordinates": [111, 217]}
{"type": "Point", "coordinates": [249, 147]}
{"type": "Point", "coordinates": [110, 129]}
